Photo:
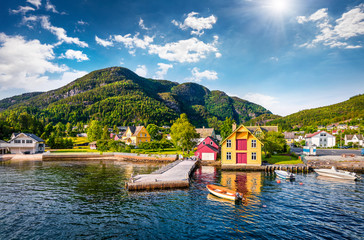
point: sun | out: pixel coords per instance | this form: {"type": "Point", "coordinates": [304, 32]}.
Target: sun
{"type": "Point", "coordinates": [279, 6]}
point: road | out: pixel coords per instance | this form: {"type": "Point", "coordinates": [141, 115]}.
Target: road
{"type": "Point", "coordinates": [328, 151]}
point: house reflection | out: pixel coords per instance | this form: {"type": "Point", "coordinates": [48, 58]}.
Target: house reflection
{"type": "Point", "coordinates": [248, 183]}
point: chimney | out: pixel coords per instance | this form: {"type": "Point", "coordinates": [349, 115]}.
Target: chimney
{"type": "Point", "coordinates": [234, 126]}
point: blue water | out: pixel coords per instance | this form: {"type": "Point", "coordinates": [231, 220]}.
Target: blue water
{"type": "Point", "coordinates": [88, 200]}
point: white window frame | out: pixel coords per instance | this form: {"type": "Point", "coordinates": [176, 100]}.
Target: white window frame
{"type": "Point", "coordinates": [254, 156]}
{"type": "Point", "coordinates": [228, 155]}
{"type": "Point", "coordinates": [254, 143]}
{"type": "Point", "coordinates": [228, 143]}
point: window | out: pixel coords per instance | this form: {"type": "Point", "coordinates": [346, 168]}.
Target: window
{"type": "Point", "coordinates": [228, 144]}
{"type": "Point", "coordinates": [211, 143]}
{"type": "Point", "coordinates": [17, 141]}
{"type": "Point", "coordinates": [145, 135]}
{"type": "Point", "coordinates": [29, 141]}
{"type": "Point", "coordinates": [22, 141]}
{"type": "Point", "coordinates": [254, 156]}
{"type": "Point", "coordinates": [204, 143]}
{"type": "Point", "coordinates": [228, 156]}
{"type": "Point", "coordinates": [254, 143]}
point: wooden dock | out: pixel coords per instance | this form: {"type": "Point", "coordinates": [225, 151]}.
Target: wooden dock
{"type": "Point", "coordinates": [174, 175]}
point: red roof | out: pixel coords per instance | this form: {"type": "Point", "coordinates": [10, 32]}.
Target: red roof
{"type": "Point", "coordinates": [314, 134]}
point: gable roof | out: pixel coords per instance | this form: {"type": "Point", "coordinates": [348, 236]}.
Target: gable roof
{"type": "Point", "coordinates": [137, 130]}
{"type": "Point", "coordinates": [209, 146]}
{"type": "Point", "coordinates": [212, 139]}
{"type": "Point", "coordinates": [263, 128]}
{"type": "Point", "coordinates": [35, 137]}
{"type": "Point", "coordinates": [314, 134]}
{"type": "Point", "coordinates": [205, 132]}
{"type": "Point", "coordinates": [288, 135]}
{"type": "Point", "coordinates": [350, 137]}
{"type": "Point", "coordinates": [236, 130]}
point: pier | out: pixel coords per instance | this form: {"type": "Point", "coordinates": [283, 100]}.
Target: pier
{"type": "Point", "coordinates": [174, 175]}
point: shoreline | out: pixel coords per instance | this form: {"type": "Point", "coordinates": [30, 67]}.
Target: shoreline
{"type": "Point", "coordinates": [348, 163]}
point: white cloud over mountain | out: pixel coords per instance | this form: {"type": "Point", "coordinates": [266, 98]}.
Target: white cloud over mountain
{"type": "Point", "coordinates": [196, 24]}
{"type": "Point", "coordinates": [198, 76]}
{"type": "Point", "coordinates": [25, 63]}
{"type": "Point", "coordinates": [141, 70]}
{"type": "Point", "coordinates": [163, 69]}
{"type": "Point", "coordinates": [337, 34]}
{"type": "Point", "coordinates": [77, 55]}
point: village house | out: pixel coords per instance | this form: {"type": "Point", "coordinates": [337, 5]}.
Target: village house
{"type": "Point", "coordinates": [336, 132]}
{"type": "Point", "coordinates": [241, 147]}
{"type": "Point", "coordinates": [298, 137]}
{"type": "Point", "coordinates": [208, 149]}
{"type": "Point", "coordinates": [259, 131]}
{"type": "Point", "coordinates": [320, 139]}
{"type": "Point", "coordinates": [136, 135]}
{"type": "Point", "coordinates": [342, 126]}
{"type": "Point", "coordinates": [289, 137]}
{"type": "Point", "coordinates": [204, 133]}
{"type": "Point", "coordinates": [354, 127]}
{"type": "Point", "coordinates": [355, 139]}
{"type": "Point", "coordinates": [93, 145]}
{"type": "Point", "coordinates": [26, 143]}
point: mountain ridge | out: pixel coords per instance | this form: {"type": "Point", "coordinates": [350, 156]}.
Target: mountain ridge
{"type": "Point", "coordinates": [117, 96]}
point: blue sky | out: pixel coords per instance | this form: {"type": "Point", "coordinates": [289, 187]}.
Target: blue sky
{"type": "Point", "coordinates": [287, 55]}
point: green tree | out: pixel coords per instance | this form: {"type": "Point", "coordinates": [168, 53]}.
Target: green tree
{"type": "Point", "coordinates": [226, 127]}
{"type": "Point", "coordinates": [273, 142]}
{"type": "Point", "coordinates": [183, 133]}
{"type": "Point", "coordinates": [68, 128]}
{"type": "Point", "coordinates": [214, 123]}
{"type": "Point", "coordinates": [153, 131]}
{"type": "Point", "coordinates": [105, 133]}
{"type": "Point", "coordinates": [115, 129]}
{"type": "Point", "coordinates": [94, 131]}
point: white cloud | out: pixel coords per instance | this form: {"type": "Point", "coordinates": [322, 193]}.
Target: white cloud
{"type": "Point", "coordinates": [22, 10]}
{"type": "Point", "coordinates": [36, 3]}
{"type": "Point", "coordinates": [133, 42]}
{"type": "Point", "coordinates": [23, 63]}
{"type": "Point", "coordinates": [274, 59]}
{"type": "Point", "coordinates": [80, 22]}
{"type": "Point", "coordinates": [141, 24]}
{"type": "Point", "coordinates": [50, 7]}
{"type": "Point", "coordinates": [141, 70]}
{"type": "Point", "coordinates": [338, 34]}
{"type": "Point", "coordinates": [163, 69]}
{"type": "Point", "coordinates": [103, 43]}
{"type": "Point", "coordinates": [60, 33]}
{"type": "Point", "coordinates": [199, 76]}
{"type": "Point", "coordinates": [72, 54]}
{"type": "Point", "coordinates": [197, 24]}
{"type": "Point", "coordinates": [261, 99]}
{"type": "Point", "coordinates": [189, 50]}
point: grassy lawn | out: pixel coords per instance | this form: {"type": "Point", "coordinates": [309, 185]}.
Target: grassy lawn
{"type": "Point", "coordinates": [73, 151]}
{"type": "Point", "coordinates": [79, 140]}
{"type": "Point", "coordinates": [282, 159]}
{"type": "Point", "coordinates": [169, 151]}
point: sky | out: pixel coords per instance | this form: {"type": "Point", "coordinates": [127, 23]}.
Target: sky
{"type": "Point", "coordinates": [286, 55]}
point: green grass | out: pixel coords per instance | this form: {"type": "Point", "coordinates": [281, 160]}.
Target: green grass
{"type": "Point", "coordinates": [72, 150]}
{"type": "Point", "coordinates": [282, 159]}
{"type": "Point", "coordinates": [168, 151]}
{"type": "Point", "coordinates": [79, 140]}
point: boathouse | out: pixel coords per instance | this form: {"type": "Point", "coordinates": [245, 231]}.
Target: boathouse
{"type": "Point", "coordinates": [26, 143]}
{"type": "Point", "coordinates": [208, 149]}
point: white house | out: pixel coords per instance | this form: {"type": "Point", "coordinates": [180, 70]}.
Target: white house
{"type": "Point", "coordinates": [355, 139]}
{"type": "Point", "coordinates": [320, 139]}
{"type": "Point", "coordinates": [4, 147]}
{"type": "Point", "coordinates": [26, 143]}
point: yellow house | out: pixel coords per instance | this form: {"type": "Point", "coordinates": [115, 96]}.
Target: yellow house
{"type": "Point", "coordinates": [241, 148]}
{"type": "Point", "coordinates": [136, 135]}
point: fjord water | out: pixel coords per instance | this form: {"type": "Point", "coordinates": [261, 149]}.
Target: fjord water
{"type": "Point", "coordinates": [88, 200]}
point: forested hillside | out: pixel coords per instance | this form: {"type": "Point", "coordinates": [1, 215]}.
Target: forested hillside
{"type": "Point", "coordinates": [118, 96]}
{"type": "Point", "coordinates": [351, 109]}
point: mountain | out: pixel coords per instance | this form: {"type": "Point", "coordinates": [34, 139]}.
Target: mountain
{"type": "Point", "coordinates": [351, 109]}
{"type": "Point", "coordinates": [118, 96]}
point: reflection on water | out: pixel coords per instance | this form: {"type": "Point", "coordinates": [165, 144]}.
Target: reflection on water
{"type": "Point", "coordinates": [88, 200]}
{"type": "Point", "coordinates": [335, 180]}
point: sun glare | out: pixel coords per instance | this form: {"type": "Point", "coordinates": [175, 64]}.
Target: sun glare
{"type": "Point", "coordinates": [279, 5]}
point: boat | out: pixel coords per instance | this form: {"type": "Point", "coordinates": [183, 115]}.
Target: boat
{"type": "Point", "coordinates": [284, 174]}
{"type": "Point", "coordinates": [224, 192]}
{"type": "Point", "coordinates": [334, 173]}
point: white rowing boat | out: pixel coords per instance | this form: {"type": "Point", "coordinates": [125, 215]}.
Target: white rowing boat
{"type": "Point", "coordinates": [284, 174]}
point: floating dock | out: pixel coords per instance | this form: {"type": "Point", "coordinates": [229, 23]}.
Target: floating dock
{"type": "Point", "coordinates": [174, 175]}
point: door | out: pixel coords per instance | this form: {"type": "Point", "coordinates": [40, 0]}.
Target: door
{"type": "Point", "coordinates": [208, 156]}
{"type": "Point", "coordinates": [241, 158]}
{"type": "Point", "coordinates": [241, 144]}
